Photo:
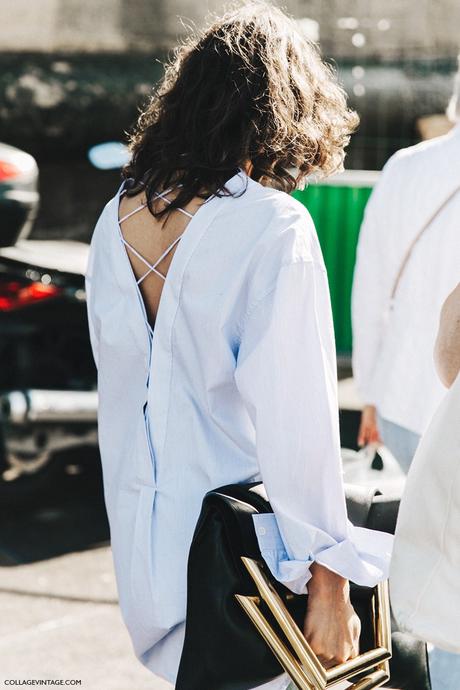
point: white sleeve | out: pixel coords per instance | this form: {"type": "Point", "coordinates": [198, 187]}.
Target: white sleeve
{"type": "Point", "coordinates": [286, 374]}
{"type": "Point", "coordinates": [371, 287]}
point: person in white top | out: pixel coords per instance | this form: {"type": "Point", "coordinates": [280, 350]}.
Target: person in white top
{"type": "Point", "coordinates": [424, 581]}
{"type": "Point", "coordinates": [408, 261]}
{"type": "Point", "coordinates": [210, 323]}
{"type": "Point", "coordinates": [445, 666]}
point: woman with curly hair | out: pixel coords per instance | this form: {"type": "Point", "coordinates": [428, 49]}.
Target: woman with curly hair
{"type": "Point", "coordinates": [211, 328]}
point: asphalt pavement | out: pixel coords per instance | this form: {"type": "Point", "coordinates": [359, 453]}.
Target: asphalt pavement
{"type": "Point", "coordinates": [59, 614]}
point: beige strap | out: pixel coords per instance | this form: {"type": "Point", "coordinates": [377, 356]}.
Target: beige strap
{"type": "Point", "coordinates": [417, 238]}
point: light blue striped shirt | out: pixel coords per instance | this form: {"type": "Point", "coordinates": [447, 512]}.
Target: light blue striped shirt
{"type": "Point", "coordinates": [236, 383]}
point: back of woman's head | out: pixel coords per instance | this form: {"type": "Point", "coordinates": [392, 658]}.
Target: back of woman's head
{"type": "Point", "coordinates": [250, 88]}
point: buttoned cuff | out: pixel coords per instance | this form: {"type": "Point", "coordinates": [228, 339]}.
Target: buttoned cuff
{"type": "Point", "coordinates": [364, 557]}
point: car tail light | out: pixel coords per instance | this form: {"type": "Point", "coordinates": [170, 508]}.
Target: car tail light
{"type": "Point", "coordinates": [8, 171]}
{"type": "Point", "coordinates": [15, 294]}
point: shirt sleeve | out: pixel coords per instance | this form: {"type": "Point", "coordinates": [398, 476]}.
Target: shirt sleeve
{"type": "Point", "coordinates": [371, 286]}
{"type": "Point", "coordinates": [286, 374]}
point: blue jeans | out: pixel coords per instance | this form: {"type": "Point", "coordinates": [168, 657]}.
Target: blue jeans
{"type": "Point", "coordinates": [444, 666]}
{"type": "Point", "coordinates": [402, 442]}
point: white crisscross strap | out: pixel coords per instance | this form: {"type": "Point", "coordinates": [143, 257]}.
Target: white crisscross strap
{"type": "Point", "coordinates": [151, 268]}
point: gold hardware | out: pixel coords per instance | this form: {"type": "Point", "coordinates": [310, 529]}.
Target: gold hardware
{"type": "Point", "coordinates": [298, 659]}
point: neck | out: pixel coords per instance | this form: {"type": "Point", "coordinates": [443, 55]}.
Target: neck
{"type": "Point", "coordinates": [248, 168]}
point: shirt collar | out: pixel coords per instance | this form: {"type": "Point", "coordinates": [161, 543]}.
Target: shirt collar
{"type": "Point", "coordinates": [238, 183]}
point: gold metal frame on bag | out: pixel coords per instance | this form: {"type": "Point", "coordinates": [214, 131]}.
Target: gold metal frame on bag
{"type": "Point", "coordinates": [298, 659]}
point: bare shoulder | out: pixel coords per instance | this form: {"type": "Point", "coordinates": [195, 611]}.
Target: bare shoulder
{"type": "Point", "coordinates": [447, 349]}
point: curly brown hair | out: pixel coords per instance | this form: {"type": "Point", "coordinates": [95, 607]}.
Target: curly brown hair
{"type": "Point", "coordinates": [249, 88]}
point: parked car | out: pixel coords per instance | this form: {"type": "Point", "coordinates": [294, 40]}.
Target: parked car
{"type": "Point", "coordinates": [48, 401]}
{"type": "Point", "coordinates": [18, 194]}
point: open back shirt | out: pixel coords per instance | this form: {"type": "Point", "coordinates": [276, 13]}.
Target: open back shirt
{"type": "Point", "coordinates": [235, 383]}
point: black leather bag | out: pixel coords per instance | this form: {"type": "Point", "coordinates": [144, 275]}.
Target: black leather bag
{"type": "Point", "coordinates": [223, 649]}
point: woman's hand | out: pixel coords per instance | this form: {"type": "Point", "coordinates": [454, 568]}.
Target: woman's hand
{"type": "Point", "coordinates": [331, 627]}
{"type": "Point", "coordinates": [368, 430]}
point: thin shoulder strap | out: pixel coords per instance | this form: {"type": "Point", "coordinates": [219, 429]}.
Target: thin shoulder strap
{"type": "Point", "coordinates": [141, 258]}
{"type": "Point", "coordinates": [153, 267]}
{"type": "Point", "coordinates": [150, 267]}
{"type": "Point", "coordinates": [159, 195]}
{"type": "Point", "coordinates": [418, 236]}
{"type": "Point", "coordinates": [131, 213]}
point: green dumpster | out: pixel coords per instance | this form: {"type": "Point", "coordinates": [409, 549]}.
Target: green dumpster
{"type": "Point", "coordinates": [337, 207]}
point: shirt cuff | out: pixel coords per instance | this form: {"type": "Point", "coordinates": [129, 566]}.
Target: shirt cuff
{"type": "Point", "coordinates": [363, 557]}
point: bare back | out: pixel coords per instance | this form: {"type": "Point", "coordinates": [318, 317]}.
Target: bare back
{"type": "Point", "coordinates": [150, 242]}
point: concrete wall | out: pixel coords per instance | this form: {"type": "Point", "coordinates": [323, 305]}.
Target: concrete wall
{"type": "Point", "coordinates": [74, 72]}
{"type": "Point", "coordinates": [351, 29]}
{"type": "Point", "coordinates": [95, 25]}
{"type": "Point", "coordinates": [388, 29]}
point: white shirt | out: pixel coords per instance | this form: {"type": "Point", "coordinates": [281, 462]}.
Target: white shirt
{"type": "Point", "coordinates": [393, 351]}
{"type": "Point", "coordinates": [237, 384]}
